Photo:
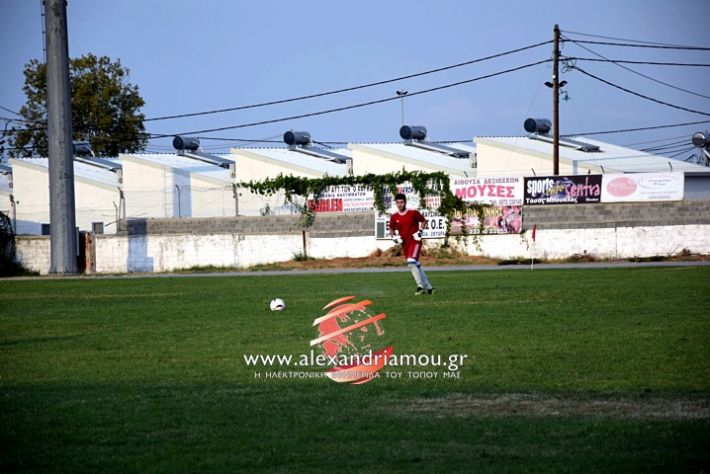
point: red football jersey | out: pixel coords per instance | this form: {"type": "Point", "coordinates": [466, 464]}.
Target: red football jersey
{"type": "Point", "coordinates": [407, 224]}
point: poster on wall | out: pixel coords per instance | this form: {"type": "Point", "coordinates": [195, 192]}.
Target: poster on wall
{"type": "Point", "coordinates": [582, 189]}
{"type": "Point", "coordinates": [435, 222]}
{"type": "Point", "coordinates": [356, 198]}
{"type": "Point", "coordinates": [492, 190]}
{"type": "Point", "coordinates": [496, 220]}
{"type": "Point", "coordinates": [640, 187]}
{"type": "Point", "coordinates": [503, 195]}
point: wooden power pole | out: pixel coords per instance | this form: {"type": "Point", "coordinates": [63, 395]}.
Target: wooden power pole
{"type": "Point", "coordinates": [556, 103]}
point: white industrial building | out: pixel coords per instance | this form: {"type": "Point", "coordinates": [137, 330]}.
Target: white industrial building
{"type": "Point", "coordinates": [189, 183]}
{"type": "Point", "coordinates": [415, 153]}
{"type": "Point", "coordinates": [257, 164]}
{"type": "Point", "coordinates": [171, 185]}
{"type": "Point", "coordinates": [96, 188]}
{"type": "Point", "coordinates": [300, 159]}
{"type": "Point", "coordinates": [532, 155]}
{"type": "Point", "coordinates": [6, 196]}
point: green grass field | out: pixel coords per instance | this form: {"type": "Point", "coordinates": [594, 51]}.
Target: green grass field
{"type": "Point", "coordinates": [567, 371]}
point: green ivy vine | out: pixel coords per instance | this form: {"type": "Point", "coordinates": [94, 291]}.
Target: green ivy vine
{"type": "Point", "coordinates": [424, 184]}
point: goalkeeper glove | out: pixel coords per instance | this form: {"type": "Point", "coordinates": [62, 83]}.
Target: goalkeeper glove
{"type": "Point", "coordinates": [417, 235]}
{"type": "Point", "coordinates": [396, 238]}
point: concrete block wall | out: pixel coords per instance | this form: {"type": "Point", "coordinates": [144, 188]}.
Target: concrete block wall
{"type": "Point", "coordinates": [32, 251]}
{"type": "Point", "coordinates": [606, 243]}
{"type": "Point", "coordinates": [605, 230]}
{"type": "Point", "coordinates": [327, 223]}
{"type": "Point", "coordinates": [162, 253]}
{"type": "Point", "coordinates": [595, 216]}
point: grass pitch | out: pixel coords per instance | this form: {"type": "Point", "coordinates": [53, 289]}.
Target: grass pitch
{"type": "Point", "coordinates": [567, 371]}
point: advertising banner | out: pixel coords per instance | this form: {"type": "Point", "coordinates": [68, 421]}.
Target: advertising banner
{"type": "Point", "coordinates": [355, 198]}
{"type": "Point", "coordinates": [582, 189]}
{"type": "Point", "coordinates": [435, 225]}
{"type": "Point", "coordinates": [496, 220]}
{"type": "Point", "coordinates": [640, 187]}
{"type": "Point", "coordinates": [493, 190]}
{"type": "Point", "coordinates": [505, 196]}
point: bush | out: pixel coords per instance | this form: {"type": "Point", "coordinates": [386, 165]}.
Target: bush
{"type": "Point", "coordinates": [8, 265]}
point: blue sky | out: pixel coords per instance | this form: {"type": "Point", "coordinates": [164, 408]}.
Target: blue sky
{"type": "Point", "coordinates": [189, 56]}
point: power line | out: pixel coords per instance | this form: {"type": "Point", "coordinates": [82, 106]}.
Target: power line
{"type": "Point", "coordinates": [348, 89]}
{"type": "Point", "coordinates": [248, 140]}
{"type": "Point", "coordinates": [626, 61]}
{"type": "Point", "coordinates": [16, 120]}
{"type": "Point", "coordinates": [684, 151]}
{"type": "Point", "coordinates": [643, 75]}
{"type": "Point", "coordinates": [672, 149]}
{"type": "Point", "coordinates": [638, 129]}
{"type": "Point", "coordinates": [640, 95]}
{"type": "Point", "coordinates": [355, 106]}
{"type": "Point", "coordinates": [674, 144]}
{"type": "Point", "coordinates": [626, 39]}
{"type": "Point", "coordinates": [657, 140]}
{"type": "Point", "coordinates": [630, 45]}
{"type": "Point", "coordinates": [10, 110]}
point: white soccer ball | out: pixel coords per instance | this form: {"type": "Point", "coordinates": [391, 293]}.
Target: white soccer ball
{"type": "Point", "coordinates": [277, 304]}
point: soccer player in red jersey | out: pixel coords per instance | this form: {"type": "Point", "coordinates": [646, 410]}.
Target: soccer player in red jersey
{"type": "Point", "coordinates": [406, 228]}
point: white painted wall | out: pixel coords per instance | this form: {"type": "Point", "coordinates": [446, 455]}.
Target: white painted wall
{"type": "Point", "coordinates": [253, 167]}
{"type": "Point", "coordinates": [156, 190]}
{"type": "Point", "coordinates": [148, 189]}
{"type": "Point", "coordinates": [5, 205]}
{"type": "Point", "coordinates": [5, 192]}
{"type": "Point", "coordinates": [365, 161]}
{"type": "Point", "coordinates": [497, 161]}
{"type": "Point", "coordinates": [32, 251]}
{"type": "Point", "coordinates": [93, 202]}
{"type": "Point", "coordinates": [160, 253]}
{"type": "Point", "coordinates": [611, 243]}
{"type": "Point", "coordinates": [31, 191]}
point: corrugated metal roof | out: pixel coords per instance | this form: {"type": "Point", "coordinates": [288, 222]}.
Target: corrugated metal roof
{"type": "Point", "coordinates": [430, 158]}
{"type": "Point", "coordinates": [185, 164]}
{"type": "Point", "coordinates": [81, 170]}
{"type": "Point", "coordinates": [613, 158]}
{"type": "Point", "coordinates": [288, 158]}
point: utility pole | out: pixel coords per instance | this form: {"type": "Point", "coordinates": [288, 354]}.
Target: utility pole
{"type": "Point", "coordinates": [556, 103]}
{"type": "Point", "coordinates": [62, 219]}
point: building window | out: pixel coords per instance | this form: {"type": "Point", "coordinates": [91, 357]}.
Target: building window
{"type": "Point", "coordinates": [45, 229]}
{"type": "Point", "coordinates": [97, 227]}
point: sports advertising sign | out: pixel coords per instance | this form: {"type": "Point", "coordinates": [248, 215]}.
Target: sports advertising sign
{"type": "Point", "coordinates": [643, 187]}
{"type": "Point", "coordinates": [582, 189]}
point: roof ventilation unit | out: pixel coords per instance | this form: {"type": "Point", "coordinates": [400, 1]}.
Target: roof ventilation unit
{"type": "Point", "coordinates": [188, 146]}
{"type": "Point", "coordinates": [301, 143]}
{"type": "Point", "coordinates": [539, 129]}
{"type": "Point", "coordinates": [415, 135]}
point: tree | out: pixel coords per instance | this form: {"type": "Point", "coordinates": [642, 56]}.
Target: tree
{"type": "Point", "coordinates": [105, 108]}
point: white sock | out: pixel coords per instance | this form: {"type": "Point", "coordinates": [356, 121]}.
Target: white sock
{"type": "Point", "coordinates": [416, 274]}
{"type": "Point", "coordinates": [423, 277]}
